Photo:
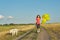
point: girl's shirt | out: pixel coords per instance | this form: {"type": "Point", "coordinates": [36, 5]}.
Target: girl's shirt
{"type": "Point", "coordinates": [37, 20]}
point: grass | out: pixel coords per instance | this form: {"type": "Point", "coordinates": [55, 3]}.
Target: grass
{"type": "Point", "coordinates": [22, 28]}
{"type": "Point", "coordinates": [53, 30]}
{"type": "Point", "coordinates": [31, 36]}
{"type": "Point", "coordinates": [9, 37]}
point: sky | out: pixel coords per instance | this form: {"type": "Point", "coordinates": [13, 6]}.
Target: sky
{"type": "Point", "coordinates": [25, 11]}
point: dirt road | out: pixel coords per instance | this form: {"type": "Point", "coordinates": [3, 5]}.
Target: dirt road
{"type": "Point", "coordinates": [43, 35]}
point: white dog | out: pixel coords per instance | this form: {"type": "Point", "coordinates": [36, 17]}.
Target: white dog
{"type": "Point", "coordinates": [13, 31]}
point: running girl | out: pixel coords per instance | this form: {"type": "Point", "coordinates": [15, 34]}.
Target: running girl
{"type": "Point", "coordinates": [38, 18]}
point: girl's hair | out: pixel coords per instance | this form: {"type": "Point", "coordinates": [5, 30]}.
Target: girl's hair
{"type": "Point", "coordinates": [37, 16]}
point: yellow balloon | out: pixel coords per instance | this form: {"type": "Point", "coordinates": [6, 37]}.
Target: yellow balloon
{"type": "Point", "coordinates": [43, 21]}
{"type": "Point", "coordinates": [48, 18]}
{"type": "Point", "coordinates": [46, 15]}
{"type": "Point", "coordinates": [43, 16]}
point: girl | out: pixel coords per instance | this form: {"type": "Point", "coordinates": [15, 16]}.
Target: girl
{"type": "Point", "coordinates": [38, 18]}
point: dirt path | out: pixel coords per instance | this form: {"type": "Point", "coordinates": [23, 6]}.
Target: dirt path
{"type": "Point", "coordinates": [43, 35]}
{"type": "Point", "coordinates": [31, 36]}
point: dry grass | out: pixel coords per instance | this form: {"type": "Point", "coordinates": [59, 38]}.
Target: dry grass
{"type": "Point", "coordinates": [5, 29]}
{"type": "Point", "coordinates": [53, 30]}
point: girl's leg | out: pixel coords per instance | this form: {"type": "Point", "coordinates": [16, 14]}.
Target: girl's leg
{"type": "Point", "coordinates": [38, 28]}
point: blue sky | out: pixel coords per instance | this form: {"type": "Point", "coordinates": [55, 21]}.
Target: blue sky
{"type": "Point", "coordinates": [25, 11]}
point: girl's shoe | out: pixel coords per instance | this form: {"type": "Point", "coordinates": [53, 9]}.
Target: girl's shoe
{"type": "Point", "coordinates": [38, 31]}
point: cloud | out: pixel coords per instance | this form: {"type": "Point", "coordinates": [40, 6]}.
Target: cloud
{"type": "Point", "coordinates": [1, 16]}
{"type": "Point", "coordinates": [10, 17]}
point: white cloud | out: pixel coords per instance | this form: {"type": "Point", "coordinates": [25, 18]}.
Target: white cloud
{"type": "Point", "coordinates": [10, 17]}
{"type": "Point", "coordinates": [1, 16]}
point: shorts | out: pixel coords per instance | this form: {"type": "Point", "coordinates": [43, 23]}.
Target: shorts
{"type": "Point", "coordinates": [38, 26]}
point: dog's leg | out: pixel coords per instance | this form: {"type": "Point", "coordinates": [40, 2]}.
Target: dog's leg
{"type": "Point", "coordinates": [16, 33]}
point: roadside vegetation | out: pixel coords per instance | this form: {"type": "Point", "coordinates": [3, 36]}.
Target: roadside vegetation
{"type": "Point", "coordinates": [53, 30]}
{"type": "Point", "coordinates": [4, 29]}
